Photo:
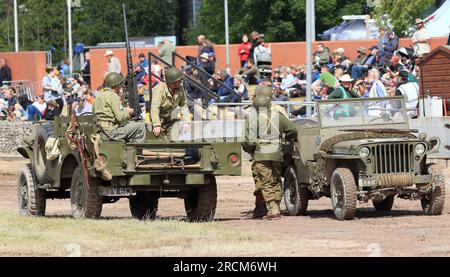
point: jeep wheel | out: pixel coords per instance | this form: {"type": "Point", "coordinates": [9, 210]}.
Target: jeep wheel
{"type": "Point", "coordinates": [295, 196]}
{"type": "Point", "coordinates": [343, 194]}
{"type": "Point", "coordinates": [32, 200]}
{"type": "Point", "coordinates": [200, 203]}
{"type": "Point", "coordinates": [144, 205]}
{"type": "Point", "coordinates": [40, 163]}
{"type": "Point", "coordinates": [85, 203]}
{"type": "Point", "coordinates": [433, 203]}
{"type": "Point", "coordinates": [384, 205]}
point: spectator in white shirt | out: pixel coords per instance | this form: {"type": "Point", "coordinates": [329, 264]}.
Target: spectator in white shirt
{"type": "Point", "coordinates": [421, 39]}
{"type": "Point", "coordinates": [113, 64]}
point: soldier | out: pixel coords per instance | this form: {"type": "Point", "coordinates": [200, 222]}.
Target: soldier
{"type": "Point", "coordinates": [112, 118]}
{"type": "Point", "coordinates": [264, 129]}
{"type": "Point", "coordinates": [267, 91]}
{"type": "Point", "coordinates": [260, 204]}
{"type": "Point", "coordinates": [169, 103]}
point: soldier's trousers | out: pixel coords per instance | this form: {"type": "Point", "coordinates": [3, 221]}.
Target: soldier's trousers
{"type": "Point", "coordinates": [269, 175]}
{"type": "Point", "coordinates": [256, 180]}
{"type": "Point", "coordinates": [133, 132]}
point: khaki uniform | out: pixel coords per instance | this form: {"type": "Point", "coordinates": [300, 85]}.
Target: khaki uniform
{"type": "Point", "coordinates": [258, 189]}
{"type": "Point", "coordinates": [166, 108]}
{"type": "Point", "coordinates": [113, 119]}
{"type": "Point", "coordinates": [263, 136]}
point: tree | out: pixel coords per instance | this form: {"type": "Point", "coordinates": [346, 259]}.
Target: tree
{"type": "Point", "coordinates": [279, 20]}
{"type": "Point", "coordinates": [400, 14]}
{"type": "Point", "coordinates": [43, 23]}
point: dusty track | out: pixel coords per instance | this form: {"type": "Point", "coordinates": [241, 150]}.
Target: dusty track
{"type": "Point", "coordinates": [403, 232]}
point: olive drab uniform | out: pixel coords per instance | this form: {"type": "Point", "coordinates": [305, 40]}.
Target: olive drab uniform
{"type": "Point", "coordinates": [260, 204]}
{"type": "Point", "coordinates": [264, 129]}
{"type": "Point", "coordinates": [262, 210]}
{"type": "Point", "coordinates": [111, 117]}
{"type": "Point", "coordinates": [167, 108]}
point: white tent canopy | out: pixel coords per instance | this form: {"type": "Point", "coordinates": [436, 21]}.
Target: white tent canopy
{"type": "Point", "coordinates": [438, 24]}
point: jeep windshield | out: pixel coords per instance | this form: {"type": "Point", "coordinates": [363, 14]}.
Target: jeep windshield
{"type": "Point", "coordinates": [365, 112]}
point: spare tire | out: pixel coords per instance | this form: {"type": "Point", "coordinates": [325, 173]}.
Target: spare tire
{"type": "Point", "coordinates": [40, 163]}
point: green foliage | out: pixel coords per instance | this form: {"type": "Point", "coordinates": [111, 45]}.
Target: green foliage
{"type": "Point", "coordinates": [43, 23]}
{"type": "Point", "coordinates": [401, 14]}
{"type": "Point", "coordinates": [279, 20]}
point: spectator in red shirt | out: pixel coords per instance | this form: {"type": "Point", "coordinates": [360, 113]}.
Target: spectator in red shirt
{"type": "Point", "coordinates": [244, 50]}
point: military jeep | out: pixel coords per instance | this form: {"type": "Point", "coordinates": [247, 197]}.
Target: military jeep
{"type": "Point", "coordinates": [93, 173]}
{"type": "Point", "coordinates": [359, 150]}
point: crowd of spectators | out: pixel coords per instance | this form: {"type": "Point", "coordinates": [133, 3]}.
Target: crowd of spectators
{"type": "Point", "coordinates": [59, 91]}
{"type": "Point", "coordinates": [385, 69]}
{"type": "Point", "coordinates": [382, 70]}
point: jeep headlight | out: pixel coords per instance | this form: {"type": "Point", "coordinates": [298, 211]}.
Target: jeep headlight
{"type": "Point", "coordinates": [364, 152]}
{"type": "Point", "coordinates": [420, 149]}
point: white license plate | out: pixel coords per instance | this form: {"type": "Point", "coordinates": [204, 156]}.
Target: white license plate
{"type": "Point", "coordinates": [116, 192]}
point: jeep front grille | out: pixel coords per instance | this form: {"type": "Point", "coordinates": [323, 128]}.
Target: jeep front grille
{"type": "Point", "coordinates": [392, 158]}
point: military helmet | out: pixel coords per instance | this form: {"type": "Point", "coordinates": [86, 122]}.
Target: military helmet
{"type": "Point", "coordinates": [173, 75]}
{"type": "Point", "coordinates": [262, 101]}
{"type": "Point", "coordinates": [113, 79]}
{"type": "Point", "coordinates": [264, 91]}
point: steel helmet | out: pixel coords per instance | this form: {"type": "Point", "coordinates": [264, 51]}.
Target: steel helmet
{"type": "Point", "coordinates": [262, 101]}
{"type": "Point", "coordinates": [173, 75]}
{"type": "Point", "coordinates": [264, 91]}
{"type": "Point", "coordinates": [113, 79]}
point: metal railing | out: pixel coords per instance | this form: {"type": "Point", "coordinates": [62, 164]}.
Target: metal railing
{"type": "Point", "coordinates": [191, 80]}
{"type": "Point", "coordinates": [176, 56]}
{"type": "Point", "coordinates": [246, 104]}
{"type": "Point", "coordinates": [23, 88]}
{"type": "Point", "coordinates": [48, 57]}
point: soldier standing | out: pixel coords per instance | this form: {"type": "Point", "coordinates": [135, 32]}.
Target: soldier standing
{"type": "Point", "coordinates": [260, 204]}
{"type": "Point", "coordinates": [169, 103]}
{"type": "Point", "coordinates": [110, 115]}
{"type": "Point", "coordinates": [264, 129]}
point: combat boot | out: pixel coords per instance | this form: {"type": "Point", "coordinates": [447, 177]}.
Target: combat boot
{"type": "Point", "coordinates": [274, 212]}
{"type": "Point", "coordinates": [260, 208]}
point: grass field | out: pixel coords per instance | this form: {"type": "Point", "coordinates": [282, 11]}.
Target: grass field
{"type": "Point", "coordinates": [21, 236]}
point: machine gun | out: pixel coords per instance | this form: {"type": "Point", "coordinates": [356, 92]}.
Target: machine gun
{"type": "Point", "coordinates": [131, 87]}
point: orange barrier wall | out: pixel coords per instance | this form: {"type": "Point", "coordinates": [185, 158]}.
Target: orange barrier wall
{"type": "Point", "coordinates": [31, 65]}
{"type": "Point", "coordinates": [286, 53]}
{"type": "Point", "coordinates": [27, 66]}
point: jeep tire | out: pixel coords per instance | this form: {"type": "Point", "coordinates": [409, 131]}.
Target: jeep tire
{"type": "Point", "coordinates": [295, 195]}
{"type": "Point", "coordinates": [433, 203]}
{"type": "Point", "coordinates": [343, 194]}
{"type": "Point", "coordinates": [40, 163]}
{"type": "Point", "coordinates": [32, 200]}
{"type": "Point", "coordinates": [200, 203]}
{"type": "Point", "coordinates": [384, 205]}
{"type": "Point", "coordinates": [85, 202]}
{"type": "Point", "coordinates": [144, 205]}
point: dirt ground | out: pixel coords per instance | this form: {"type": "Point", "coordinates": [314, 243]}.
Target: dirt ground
{"type": "Point", "coordinates": [403, 232]}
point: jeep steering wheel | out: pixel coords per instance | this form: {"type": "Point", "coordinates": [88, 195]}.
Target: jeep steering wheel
{"type": "Point", "coordinates": [385, 119]}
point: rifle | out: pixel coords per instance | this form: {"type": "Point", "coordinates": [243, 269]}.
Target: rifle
{"type": "Point", "coordinates": [131, 83]}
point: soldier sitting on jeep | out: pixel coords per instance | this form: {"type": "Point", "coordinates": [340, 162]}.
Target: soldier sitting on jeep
{"type": "Point", "coordinates": [110, 116]}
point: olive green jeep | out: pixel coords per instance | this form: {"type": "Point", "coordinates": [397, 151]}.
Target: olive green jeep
{"type": "Point", "coordinates": [359, 150]}
{"type": "Point", "coordinates": [69, 160]}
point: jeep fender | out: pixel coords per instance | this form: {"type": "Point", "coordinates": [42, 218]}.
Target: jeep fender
{"type": "Point", "coordinates": [26, 152]}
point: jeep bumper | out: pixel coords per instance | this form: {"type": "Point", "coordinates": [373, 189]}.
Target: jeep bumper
{"type": "Point", "coordinates": [395, 181]}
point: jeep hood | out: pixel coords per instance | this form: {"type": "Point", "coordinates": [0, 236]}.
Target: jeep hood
{"type": "Point", "coordinates": [356, 143]}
